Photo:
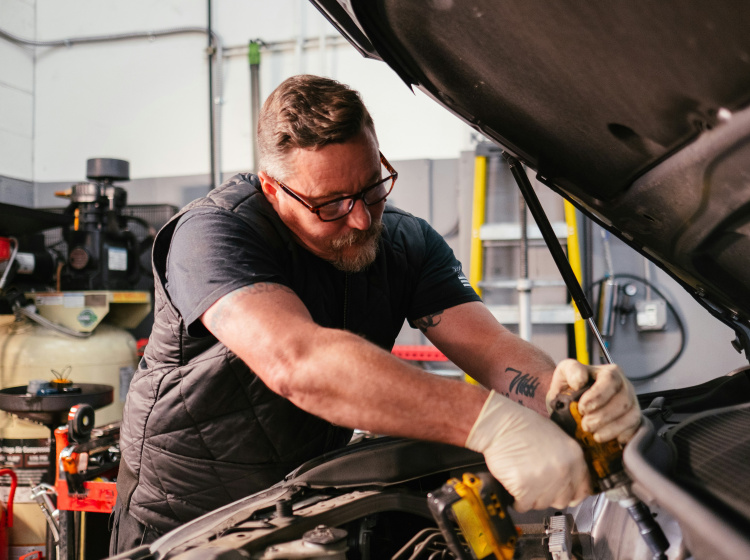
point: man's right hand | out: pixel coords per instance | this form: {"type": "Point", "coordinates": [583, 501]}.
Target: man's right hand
{"type": "Point", "coordinates": [532, 457]}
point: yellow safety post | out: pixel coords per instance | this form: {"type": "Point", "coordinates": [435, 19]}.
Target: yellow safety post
{"type": "Point", "coordinates": [479, 203]}
{"type": "Point", "coordinates": [574, 256]}
{"type": "Point", "coordinates": [476, 262]}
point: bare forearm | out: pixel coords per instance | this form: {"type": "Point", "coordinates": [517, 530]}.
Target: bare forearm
{"type": "Point", "coordinates": [353, 383]}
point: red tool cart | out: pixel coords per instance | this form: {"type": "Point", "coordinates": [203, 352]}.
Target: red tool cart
{"type": "Point", "coordinates": [87, 463]}
{"type": "Point", "coordinates": [87, 454]}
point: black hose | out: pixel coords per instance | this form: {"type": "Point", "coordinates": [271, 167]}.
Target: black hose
{"type": "Point", "coordinates": [670, 307]}
{"type": "Point", "coordinates": [650, 530]}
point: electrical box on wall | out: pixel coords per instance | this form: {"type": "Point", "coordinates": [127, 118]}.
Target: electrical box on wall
{"type": "Point", "coordinates": [651, 315]}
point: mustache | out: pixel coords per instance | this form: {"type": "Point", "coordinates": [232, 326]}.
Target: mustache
{"type": "Point", "coordinates": [358, 237]}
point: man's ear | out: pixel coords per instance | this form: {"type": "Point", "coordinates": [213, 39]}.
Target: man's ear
{"type": "Point", "coordinates": [269, 186]}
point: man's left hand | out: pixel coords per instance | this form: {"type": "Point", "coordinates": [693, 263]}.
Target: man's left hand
{"type": "Point", "coordinates": [609, 407]}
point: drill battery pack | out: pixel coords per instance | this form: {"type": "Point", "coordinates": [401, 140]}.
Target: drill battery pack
{"type": "Point", "coordinates": [472, 515]}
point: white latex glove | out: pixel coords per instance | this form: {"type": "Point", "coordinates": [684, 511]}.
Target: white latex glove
{"type": "Point", "coordinates": [539, 464]}
{"type": "Point", "coordinates": [609, 407]}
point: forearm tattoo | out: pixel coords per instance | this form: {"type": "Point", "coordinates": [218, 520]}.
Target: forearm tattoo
{"type": "Point", "coordinates": [428, 321]}
{"type": "Point", "coordinates": [523, 384]}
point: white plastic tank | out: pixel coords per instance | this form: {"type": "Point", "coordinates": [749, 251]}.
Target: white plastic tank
{"type": "Point", "coordinates": [29, 351]}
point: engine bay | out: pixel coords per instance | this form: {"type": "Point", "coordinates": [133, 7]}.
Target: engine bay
{"type": "Point", "coordinates": [370, 500]}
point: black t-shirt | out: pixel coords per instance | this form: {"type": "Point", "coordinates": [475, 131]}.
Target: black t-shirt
{"type": "Point", "coordinates": [214, 252]}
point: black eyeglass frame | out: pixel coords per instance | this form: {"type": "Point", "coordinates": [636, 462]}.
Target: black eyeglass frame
{"type": "Point", "coordinates": [353, 197]}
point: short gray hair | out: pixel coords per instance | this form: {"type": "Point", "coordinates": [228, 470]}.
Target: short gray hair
{"type": "Point", "coordinates": [307, 112]}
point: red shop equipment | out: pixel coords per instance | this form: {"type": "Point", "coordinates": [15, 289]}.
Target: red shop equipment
{"type": "Point", "coordinates": [6, 514]}
{"type": "Point", "coordinates": [4, 249]}
{"type": "Point", "coordinates": [78, 483]}
{"type": "Point", "coordinates": [424, 353]}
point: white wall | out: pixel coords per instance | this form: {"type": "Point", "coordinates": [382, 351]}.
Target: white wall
{"type": "Point", "coordinates": [146, 101]}
{"type": "Point", "coordinates": [17, 90]}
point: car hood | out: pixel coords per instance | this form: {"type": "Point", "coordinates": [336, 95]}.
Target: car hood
{"type": "Point", "coordinates": [637, 112]}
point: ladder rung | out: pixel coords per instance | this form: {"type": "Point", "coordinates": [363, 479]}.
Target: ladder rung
{"type": "Point", "coordinates": [540, 314]}
{"type": "Point", "coordinates": [511, 231]}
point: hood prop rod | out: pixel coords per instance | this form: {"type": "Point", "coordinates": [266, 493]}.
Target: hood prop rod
{"type": "Point", "coordinates": [553, 244]}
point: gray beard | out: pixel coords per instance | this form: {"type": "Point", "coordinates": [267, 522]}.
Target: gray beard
{"type": "Point", "coordinates": [369, 242]}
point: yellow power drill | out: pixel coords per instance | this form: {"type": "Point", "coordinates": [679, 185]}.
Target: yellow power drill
{"type": "Point", "coordinates": [472, 515]}
{"type": "Point", "coordinates": [607, 470]}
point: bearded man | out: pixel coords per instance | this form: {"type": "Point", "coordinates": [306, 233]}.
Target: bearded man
{"type": "Point", "coordinates": [278, 299]}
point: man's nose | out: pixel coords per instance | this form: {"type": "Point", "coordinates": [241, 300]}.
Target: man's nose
{"type": "Point", "coordinates": [359, 217]}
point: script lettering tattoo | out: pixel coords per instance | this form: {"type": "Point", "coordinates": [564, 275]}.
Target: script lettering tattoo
{"type": "Point", "coordinates": [523, 384]}
{"type": "Point", "coordinates": [428, 321]}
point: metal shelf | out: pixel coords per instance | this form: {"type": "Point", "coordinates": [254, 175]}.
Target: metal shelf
{"type": "Point", "coordinates": [540, 314]}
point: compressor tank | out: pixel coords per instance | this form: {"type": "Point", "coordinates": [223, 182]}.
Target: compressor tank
{"type": "Point", "coordinates": [68, 292]}
{"type": "Point", "coordinates": [30, 351]}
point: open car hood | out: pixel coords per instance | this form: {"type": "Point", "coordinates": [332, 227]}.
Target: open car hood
{"type": "Point", "coordinates": [637, 112]}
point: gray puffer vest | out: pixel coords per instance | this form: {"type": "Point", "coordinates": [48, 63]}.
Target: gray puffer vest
{"type": "Point", "coordinates": [200, 429]}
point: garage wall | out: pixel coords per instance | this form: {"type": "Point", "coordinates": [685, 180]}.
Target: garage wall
{"type": "Point", "coordinates": [146, 100]}
{"type": "Point", "coordinates": [16, 98]}
{"type": "Point", "coordinates": [708, 351]}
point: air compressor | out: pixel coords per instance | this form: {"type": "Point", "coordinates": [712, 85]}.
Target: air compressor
{"type": "Point", "coordinates": [68, 292]}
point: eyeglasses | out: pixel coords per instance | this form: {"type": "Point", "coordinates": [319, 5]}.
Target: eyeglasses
{"type": "Point", "coordinates": [339, 207]}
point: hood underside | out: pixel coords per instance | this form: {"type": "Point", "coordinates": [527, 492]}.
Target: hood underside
{"type": "Point", "coordinates": [637, 112]}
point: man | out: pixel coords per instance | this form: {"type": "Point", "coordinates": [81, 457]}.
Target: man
{"type": "Point", "coordinates": [278, 299]}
